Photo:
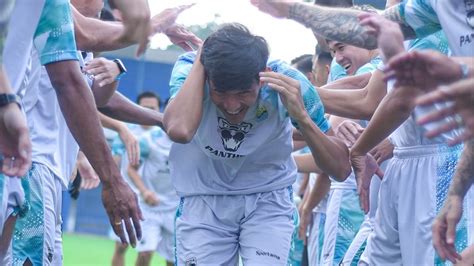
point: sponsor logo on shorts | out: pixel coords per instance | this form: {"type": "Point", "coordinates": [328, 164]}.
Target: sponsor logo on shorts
{"type": "Point", "coordinates": [191, 261]}
{"type": "Point", "coordinates": [266, 253]}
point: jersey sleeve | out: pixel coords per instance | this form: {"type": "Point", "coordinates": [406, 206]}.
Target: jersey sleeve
{"type": "Point", "coordinates": [180, 72]}
{"type": "Point", "coordinates": [312, 101]}
{"type": "Point", "coordinates": [54, 37]}
{"type": "Point", "coordinates": [420, 16]}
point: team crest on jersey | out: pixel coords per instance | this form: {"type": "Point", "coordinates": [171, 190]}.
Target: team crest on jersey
{"type": "Point", "coordinates": [261, 113]}
{"type": "Point", "coordinates": [232, 135]}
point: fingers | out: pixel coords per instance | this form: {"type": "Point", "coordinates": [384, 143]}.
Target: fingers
{"type": "Point", "coordinates": [117, 226]}
{"type": "Point", "coordinates": [363, 198]}
{"type": "Point", "coordinates": [136, 217]}
{"type": "Point", "coordinates": [437, 115]}
{"type": "Point", "coordinates": [131, 232]}
{"type": "Point", "coordinates": [439, 95]}
{"type": "Point", "coordinates": [446, 127]}
{"type": "Point", "coordinates": [465, 135]}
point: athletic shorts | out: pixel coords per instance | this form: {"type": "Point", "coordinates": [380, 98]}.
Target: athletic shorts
{"type": "Point", "coordinates": [215, 230]}
{"type": "Point", "coordinates": [343, 220]}
{"type": "Point", "coordinates": [316, 238]}
{"type": "Point", "coordinates": [37, 236]}
{"type": "Point", "coordinates": [411, 194]}
{"type": "Point", "coordinates": [158, 233]}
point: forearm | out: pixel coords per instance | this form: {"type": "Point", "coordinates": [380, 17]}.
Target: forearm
{"type": "Point", "coordinates": [110, 123]}
{"type": "Point", "coordinates": [305, 163]}
{"type": "Point", "coordinates": [319, 191]}
{"type": "Point", "coordinates": [103, 94]}
{"type": "Point", "coordinates": [78, 107]}
{"type": "Point", "coordinates": [342, 24]}
{"type": "Point", "coordinates": [121, 108]}
{"type": "Point", "coordinates": [356, 104]}
{"type": "Point", "coordinates": [329, 153]}
{"type": "Point", "coordinates": [181, 126]}
{"type": "Point", "coordinates": [96, 35]}
{"type": "Point", "coordinates": [464, 175]}
{"type": "Point", "coordinates": [394, 109]}
{"type": "Point", "coordinates": [136, 179]}
{"type": "Point", "coordinates": [4, 83]}
{"type": "Point", "coordinates": [350, 83]}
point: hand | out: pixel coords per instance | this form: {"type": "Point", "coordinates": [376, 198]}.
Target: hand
{"type": "Point", "coordinates": [462, 95]}
{"type": "Point", "coordinates": [305, 220]}
{"type": "Point", "coordinates": [15, 144]}
{"type": "Point", "coordinates": [389, 35]}
{"type": "Point", "coordinates": [90, 179]}
{"type": "Point", "coordinates": [150, 198]}
{"type": "Point", "coordinates": [289, 91]}
{"type": "Point", "coordinates": [277, 9]}
{"type": "Point", "coordinates": [364, 168]}
{"type": "Point", "coordinates": [422, 69]}
{"type": "Point", "coordinates": [444, 228]}
{"type": "Point", "coordinates": [136, 21]}
{"type": "Point", "coordinates": [383, 151]}
{"type": "Point", "coordinates": [349, 131]}
{"type": "Point", "coordinates": [121, 205]}
{"type": "Point", "coordinates": [104, 71]}
{"type": "Point", "coordinates": [167, 18]}
{"type": "Point", "coordinates": [182, 37]}
{"type": "Point", "coordinates": [131, 145]}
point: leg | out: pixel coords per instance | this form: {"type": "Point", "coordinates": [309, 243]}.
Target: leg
{"type": "Point", "coordinates": [207, 230]}
{"type": "Point", "coordinates": [144, 258]}
{"type": "Point", "coordinates": [267, 228]}
{"type": "Point", "coordinates": [118, 259]}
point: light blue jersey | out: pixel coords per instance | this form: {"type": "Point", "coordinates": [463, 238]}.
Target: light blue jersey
{"type": "Point", "coordinates": [336, 71]}
{"type": "Point", "coordinates": [251, 157]}
{"type": "Point", "coordinates": [455, 17]}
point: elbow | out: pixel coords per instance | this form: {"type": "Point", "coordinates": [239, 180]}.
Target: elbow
{"type": "Point", "coordinates": [179, 135]}
{"type": "Point", "coordinates": [342, 172]}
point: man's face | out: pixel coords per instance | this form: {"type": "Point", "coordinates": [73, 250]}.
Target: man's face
{"type": "Point", "coordinates": [150, 103]}
{"type": "Point", "coordinates": [349, 57]}
{"type": "Point", "coordinates": [234, 103]}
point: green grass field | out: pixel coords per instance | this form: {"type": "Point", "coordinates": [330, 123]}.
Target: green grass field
{"type": "Point", "coordinates": [93, 250]}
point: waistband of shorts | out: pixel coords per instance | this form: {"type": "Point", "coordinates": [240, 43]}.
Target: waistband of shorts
{"type": "Point", "coordinates": [425, 150]}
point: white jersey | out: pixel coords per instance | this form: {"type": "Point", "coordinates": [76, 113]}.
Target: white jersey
{"type": "Point", "coordinates": [155, 171]}
{"type": "Point", "coordinates": [251, 157]}
{"type": "Point", "coordinates": [52, 143]}
{"type": "Point", "coordinates": [455, 17]}
{"type": "Point", "coordinates": [410, 133]}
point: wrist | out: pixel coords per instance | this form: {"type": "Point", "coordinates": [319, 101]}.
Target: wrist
{"type": "Point", "coordinates": [9, 98]}
{"type": "Point", "coordinates": [121, 67]}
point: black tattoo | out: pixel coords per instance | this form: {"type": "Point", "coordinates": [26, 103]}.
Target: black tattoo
{"type": "Point", "coordinates": [464, 175]}
{"type": "Point", "coordinates": [342, 24]}
{"type": "Point", "coordinates": [393, 14]}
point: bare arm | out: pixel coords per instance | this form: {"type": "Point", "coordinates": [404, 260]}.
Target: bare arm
{"type": "Point", "coordinates": [121, 108]}
{"type": "Point", "coordinates": [342, 24]}
{"type": "Point", "coordinates": [464, 177]}
{"type": "Point", "coordinates": [350, 83]}
{"type": "Point", "coordinates": [181, 126]}
{"type": "Point", "coordinates": [356, 104]}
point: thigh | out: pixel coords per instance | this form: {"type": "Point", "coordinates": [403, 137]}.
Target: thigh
{"type": "Point", "coordinates": [266, 231]}
{"type": "Point", "coordinates": [151, 232]}
{"type": "Point", "coordinates": [205, 234]}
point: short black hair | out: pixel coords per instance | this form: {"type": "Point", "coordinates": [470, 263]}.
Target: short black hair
{"type": "Point", "coordinates": [325, 58]}
{"type": "Point", "coordinates": [233, 57]}
{"type": "Point", "coordinates": [148, 94]}
{"type": "Point", "coordinates": [303, 63]}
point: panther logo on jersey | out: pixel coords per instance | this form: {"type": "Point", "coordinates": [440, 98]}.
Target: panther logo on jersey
{"type": "Point", "coordinates": [232, 135]}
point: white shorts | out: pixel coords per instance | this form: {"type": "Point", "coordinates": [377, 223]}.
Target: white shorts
{"type": "Point", "coordinates": [215, 230]}
{"type": "Point", "coordinates": [37, 236]}
{"type": "Point", "coordinates": [413, 191]}
{"type": "Point", "coordinates": [158, 233]}
{"type": "Point", "coordinates": [343, 220]}
{"type": "Point", "coordinates": [12, 202]}
{"type": "Point", "coordinates": [316, 238]}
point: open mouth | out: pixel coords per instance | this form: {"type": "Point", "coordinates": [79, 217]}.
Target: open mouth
{"type": "Point", "coordinates": [234, 112]}
{"type": "Point", "coordinates": [347, 66]}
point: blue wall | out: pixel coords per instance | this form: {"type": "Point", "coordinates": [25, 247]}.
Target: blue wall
{"type": "Point", "coordinates": [145, 76]}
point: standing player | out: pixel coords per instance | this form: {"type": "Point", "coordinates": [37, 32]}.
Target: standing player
{"type": "Point", "coordinates": [232, 165]}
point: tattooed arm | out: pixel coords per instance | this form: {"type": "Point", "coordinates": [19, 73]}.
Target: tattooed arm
{"type": "Point", "coordinates": [342, 24]}
{"type": "Point", "coordinates": [464, 176]}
